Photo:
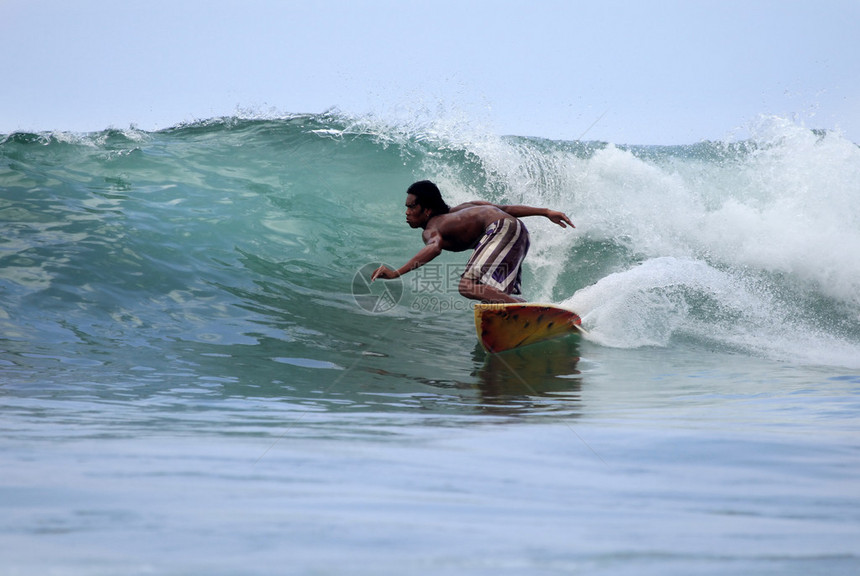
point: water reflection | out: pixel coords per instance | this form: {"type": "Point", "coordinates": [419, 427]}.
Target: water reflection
{"type": "Point", "coordinates": [541, 377]}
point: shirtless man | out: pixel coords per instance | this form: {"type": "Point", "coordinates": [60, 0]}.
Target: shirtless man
{"type": "Point", "coordinates": [500, 241]}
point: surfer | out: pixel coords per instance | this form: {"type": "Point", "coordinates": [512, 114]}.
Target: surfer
{"type": "Point", "coordinates": [499, 238]}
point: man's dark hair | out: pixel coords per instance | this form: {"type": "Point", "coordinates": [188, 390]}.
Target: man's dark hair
{"type": "Point", "coordinates": [428, 196]}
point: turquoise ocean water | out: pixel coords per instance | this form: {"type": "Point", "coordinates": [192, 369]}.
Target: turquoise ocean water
{"type": "Point", "coordinates": [196, 377]}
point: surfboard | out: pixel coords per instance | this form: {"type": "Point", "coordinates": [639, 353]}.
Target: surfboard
{"type": "Point", "coordinates": [502, 327]}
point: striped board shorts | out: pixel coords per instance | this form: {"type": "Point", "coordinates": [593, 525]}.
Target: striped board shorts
{"type": "Point", "coordinates": [498, 257]}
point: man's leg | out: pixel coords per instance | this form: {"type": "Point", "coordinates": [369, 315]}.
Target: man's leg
{"type": "Point", "coordinates": [477, 291]}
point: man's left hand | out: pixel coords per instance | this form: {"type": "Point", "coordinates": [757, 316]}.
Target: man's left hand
{"type": "Point", "coordinates": [559, 218]}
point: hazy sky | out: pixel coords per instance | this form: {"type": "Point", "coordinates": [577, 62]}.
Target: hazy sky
{"type": "Point", "coordinates": [637, 72]}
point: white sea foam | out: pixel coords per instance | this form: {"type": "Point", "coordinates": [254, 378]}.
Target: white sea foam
{"type": "Point", "coordinates": [758, 228]}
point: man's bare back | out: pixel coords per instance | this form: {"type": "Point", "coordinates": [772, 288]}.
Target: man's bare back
{"type": "Point", "coordinates": [463, 226]}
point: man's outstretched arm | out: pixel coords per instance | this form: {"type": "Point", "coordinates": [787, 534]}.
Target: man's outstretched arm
{"type": "Point", "coordinates": [425, 255]}
{"type": "Point", "coordinates": [518, 211]}
{"type": "Point", "coordinates": [559, 218]}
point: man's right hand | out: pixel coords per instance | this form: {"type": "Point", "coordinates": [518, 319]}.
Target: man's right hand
{"type": "Point", "coordinates": [385, 273]}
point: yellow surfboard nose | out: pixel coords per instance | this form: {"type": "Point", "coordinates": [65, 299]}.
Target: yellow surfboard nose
{"type": "Point", "coordinates": [502, 327]}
